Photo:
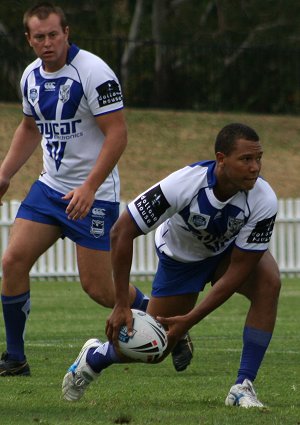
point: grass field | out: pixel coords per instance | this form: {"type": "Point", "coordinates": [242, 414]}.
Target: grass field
{"type": "Point", "coordinates": [61, 320]}
{"type": "Point", "coordinates": [63, 317]}
{"type": "Point", "coordinates": [162, 141]}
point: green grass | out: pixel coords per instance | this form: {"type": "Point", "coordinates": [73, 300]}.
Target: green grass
{"type": "Point", "coordinates": [159, 142]}
{"type": "Point", "coordinates": [61, 320]}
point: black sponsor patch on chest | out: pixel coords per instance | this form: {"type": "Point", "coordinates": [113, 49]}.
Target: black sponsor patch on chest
{"type": "Point", "coordinates": [263, 231]}
{"type": "Point", "coordinates": [109, 93]}
{"type": "Point", "coordinates": [151, 205]}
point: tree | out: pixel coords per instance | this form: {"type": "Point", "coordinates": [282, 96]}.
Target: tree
{"type": "Point", "coordinates": [203, 48]}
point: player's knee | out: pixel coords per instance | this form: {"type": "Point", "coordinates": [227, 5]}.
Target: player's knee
{"type": "Point", "coordinates": [270, 285]}
{"type": "Point", "coordinates": [99, 293]}
{"type": "Point", "coordinates": [275, 284]}
{"type": "Point", "coordinates": [269, 278]}
{"type": "Point", "coordinates": [13, 263]}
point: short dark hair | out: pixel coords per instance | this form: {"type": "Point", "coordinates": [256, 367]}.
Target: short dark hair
{"type": "Point", "coordinates": [42, 10]}
{"type": "Point", "coordinates": [227, 137]}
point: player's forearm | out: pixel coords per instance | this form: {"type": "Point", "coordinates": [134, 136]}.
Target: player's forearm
{"type": "Point", "coordinates": [121, 276]}
{"type": "Point", "coordinates": [108, 158]}
{"type": "Point", "coordinates": [223, 289]}
{"type": "Point", "coordinates": [241, 265]}
{"type": "Point", "coordinates": [121, 264]}
{"type": "Point", "coordinates": [214, 299]}
{"type": "Point", "coordinates": [122, 237]}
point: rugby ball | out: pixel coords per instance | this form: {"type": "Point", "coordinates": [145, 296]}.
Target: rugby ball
{"type": "Point", "coordinates": [148, 341]}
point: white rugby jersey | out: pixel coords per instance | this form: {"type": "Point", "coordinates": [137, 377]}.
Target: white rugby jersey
{"type": "Point", "coordinates": [64, 104]}
{"type": "Point", "coordinates": [192, 224]}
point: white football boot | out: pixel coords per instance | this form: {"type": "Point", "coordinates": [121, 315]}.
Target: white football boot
{"type": "Point", "coordinates": [80, 374]}
{"type": "Point", "coordinates": [243, 395]}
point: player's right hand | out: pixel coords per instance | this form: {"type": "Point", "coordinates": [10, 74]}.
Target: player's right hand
{"type": "Point", "coordinates": [119, 316]}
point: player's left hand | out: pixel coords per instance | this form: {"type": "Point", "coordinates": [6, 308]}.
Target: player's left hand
{"type": "Point", "coordinates": [177, 327]}
{"type": "Point", "coordinates": [81, 200]}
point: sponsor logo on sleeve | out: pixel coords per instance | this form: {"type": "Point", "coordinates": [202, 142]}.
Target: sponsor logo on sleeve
{"type": "Point", "coordinates": [263, 231]}
{"type": "Point", "coordinates": [151, 205]}
{"type": "Point", "coordinates": [109, 93]}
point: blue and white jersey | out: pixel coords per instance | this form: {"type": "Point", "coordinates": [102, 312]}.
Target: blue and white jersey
{"type": "Point", "coordinates": [64, 104]}
{"type": "Point", "coordinates": [192, 224]}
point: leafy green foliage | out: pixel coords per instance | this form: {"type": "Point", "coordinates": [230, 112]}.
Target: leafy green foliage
{"type": "Point", "coordinates": [201, 55]}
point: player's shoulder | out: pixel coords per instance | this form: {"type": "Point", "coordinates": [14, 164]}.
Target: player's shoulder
{"type": "Point", "coordinates": [190, 174]}
{"type": "Point", "coordinates": [198, 168]}
{"type": "Point", "coordinates": [264, 188]}
{"type": "Point", "coordinates": [87, 60]}
{"type": "Point", "coordinates": [31, 67]}
{"type": "Point", "coordinates": [183, 185]}
{"type": "Point", "coordinates": [262, 196]}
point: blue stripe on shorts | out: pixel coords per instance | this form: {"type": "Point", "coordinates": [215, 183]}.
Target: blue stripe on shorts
{"type": "Point", "coordinates": [175, 278]}
{"type": "Point", "coordinates": [44, 205]}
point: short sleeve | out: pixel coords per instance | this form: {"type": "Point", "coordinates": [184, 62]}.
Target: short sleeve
{"type": "Point", "coordinates": [257, 232]}
{"type": "Point", "coordinates": [166, 198]}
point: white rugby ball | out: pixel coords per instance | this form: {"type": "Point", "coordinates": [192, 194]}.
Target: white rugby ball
{"type": "Point", "coordinates": [148, 341]}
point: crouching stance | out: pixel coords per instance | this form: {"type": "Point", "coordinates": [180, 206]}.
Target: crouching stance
{"type": "Point", "coordinates": [213, 221]}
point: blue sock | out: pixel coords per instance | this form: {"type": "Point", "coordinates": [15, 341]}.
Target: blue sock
{"type": "Point", "coordinates": [141, 301]}
{"type": "Point", "coordinates": [15, 312]}
{"type": "Point", "coordinates": [256, 343]}
{"type": "Point", "coordinates": [102, 357]}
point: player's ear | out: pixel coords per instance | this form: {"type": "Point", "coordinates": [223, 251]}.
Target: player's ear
{"type": "Point", "coordinates": [220, 156]}
{"type": "Point", "coordinates": [27, 35]}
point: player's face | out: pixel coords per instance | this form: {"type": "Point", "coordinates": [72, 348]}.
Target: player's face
{"type": "Point", "coordinates": [240, 169]}
{"type": "Point", "coordinates": [49, 41]}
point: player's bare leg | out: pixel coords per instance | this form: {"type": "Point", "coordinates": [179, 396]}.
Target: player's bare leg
{"type": "Point", "coordinates": [182, 352]}
{"type": "Point", "coordinates": [262, 289]}
{"type": "Point", "coordinates": [24, 248]}
{"type": "Point", "coordinates": [96, 277]}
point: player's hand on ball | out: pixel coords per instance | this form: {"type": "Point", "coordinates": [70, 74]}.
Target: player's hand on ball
{"type": "Point", "coordinates": [177, 327]}
{"type": "Point", "coordinates": [119, 317]}
{"type": "Point", "coordinates": [147, 342]}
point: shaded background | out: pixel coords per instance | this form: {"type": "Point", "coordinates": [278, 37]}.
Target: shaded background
{"type": "Point", "coordinates": [206, 55]}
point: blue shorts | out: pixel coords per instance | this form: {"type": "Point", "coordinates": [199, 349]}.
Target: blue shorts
{"type": "Point", "coordinates": [175, 278]}
{"type": "Point", "coordinates": [44, 205]}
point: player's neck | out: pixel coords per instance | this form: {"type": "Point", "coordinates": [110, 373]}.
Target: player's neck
{"type": "Point", "coordinates": [222, 195]}
{"type": "Point", "coordinates": [56, 65]}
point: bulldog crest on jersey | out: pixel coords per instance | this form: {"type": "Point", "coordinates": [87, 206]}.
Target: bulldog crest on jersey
{"type": "Point", "coordinates": [97, 228]}
{"type": "Point", "coordinates": [234, 225]}
{"type": "Point", "coordinates": [33, 95]}
{"type": "Point", "coordinates": [64, 93]}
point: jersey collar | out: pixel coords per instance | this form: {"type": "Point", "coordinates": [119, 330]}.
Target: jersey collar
{"type": "Point", "coordinates": [211, 177]}
{"type": "Point", "coordinates": [72, 52]}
